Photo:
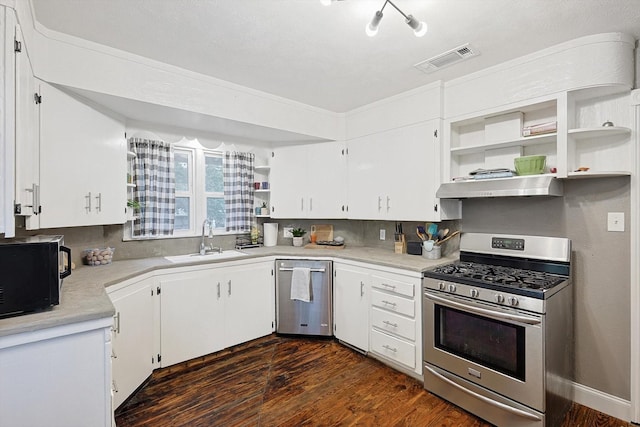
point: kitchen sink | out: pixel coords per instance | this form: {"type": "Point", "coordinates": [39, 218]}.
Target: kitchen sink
{"type": "Point", "coordinates": [207, 257]}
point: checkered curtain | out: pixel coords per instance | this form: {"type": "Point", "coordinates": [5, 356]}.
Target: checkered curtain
{"type": "Point", "coordinates": [238, 190]}
{"type": "Point", "coordinates": [155, 187]}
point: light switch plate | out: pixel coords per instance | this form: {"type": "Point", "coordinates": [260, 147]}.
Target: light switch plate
{"type": "Point", "coordinates": [286, 232]}
{"type": "Point", "coordinates": [615, 221]}
{"type": "Point", "coordinates": [383, 234]}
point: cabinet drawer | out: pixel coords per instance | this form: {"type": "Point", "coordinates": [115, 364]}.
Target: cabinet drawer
{"type": "Point", "coordinates": [393, 303]}
{"type": "Point", "coordinates": [393, 324]}
{"type": "Point", "coordinates": [393, 283]}
{"type": "Point", "coordinates": [393, 348]}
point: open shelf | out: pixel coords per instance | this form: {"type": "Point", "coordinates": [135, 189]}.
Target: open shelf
{"type": "Point", "coordinates": [596, 174]}
{"type": "Point", "coordinates": [598, 132]}
{"type": "Point", "coordinates": [523, 141]}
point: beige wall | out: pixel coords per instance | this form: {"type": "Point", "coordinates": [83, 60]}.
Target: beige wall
{"type": "Point", "coordinates": [600, 267]}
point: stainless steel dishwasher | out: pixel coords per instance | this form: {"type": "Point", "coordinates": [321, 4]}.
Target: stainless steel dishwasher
{"type": "Point", "coordinates": [299, 317]}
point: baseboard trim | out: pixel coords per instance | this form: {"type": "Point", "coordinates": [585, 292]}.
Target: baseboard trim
{"type": "Point", "coordinates": [603, 402]}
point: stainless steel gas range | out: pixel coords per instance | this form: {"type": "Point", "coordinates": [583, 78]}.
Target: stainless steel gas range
{"type": "Point", "coordinates": [498, 329]}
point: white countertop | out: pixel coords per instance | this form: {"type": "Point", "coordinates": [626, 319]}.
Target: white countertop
{"type": "Point", "coordinates": [84, 296]}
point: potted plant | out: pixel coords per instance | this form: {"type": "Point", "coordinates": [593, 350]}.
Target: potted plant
{"type": "Point", "coordinates": [264, 210]}
{"type": "Point", "coordinates": [133, 206]}
{"type": "Point", "coordinates": [297, 234]}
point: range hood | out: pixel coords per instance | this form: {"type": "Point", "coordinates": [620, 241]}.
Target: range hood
{"type": "Point", "coordinates": [530, 185]}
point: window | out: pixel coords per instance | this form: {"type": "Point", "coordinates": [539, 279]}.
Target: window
{"type": "Point", "coordinates": [214, 189]}
{"type": "Point", "coordinates": [199, 190]}
{"type": "Point", "coordinates": [185, 197]}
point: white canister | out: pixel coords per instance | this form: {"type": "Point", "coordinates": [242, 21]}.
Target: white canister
{"type": "Point", "coordinates": [270, 233]}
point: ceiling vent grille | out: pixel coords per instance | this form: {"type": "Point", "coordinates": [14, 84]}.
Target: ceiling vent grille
{"type": "Point", "coordinates": [447, 58]}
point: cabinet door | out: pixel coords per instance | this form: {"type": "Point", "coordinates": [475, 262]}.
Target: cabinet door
{"type": "Point", "coordinates": [250, 306]}
{"type": "Point", "coordinates": [351, 305]}
{"type": "Point", "coordinates": [27, 139]}
{"type": "Point", "coordinates": [132, 357]}
{"type": "Point", "coordinates": [367, 172]}
{"type": "Point", "coordinates": [191, 315]}
{"type": "Point", "coordinates": [289, 182]}
{"type": "Point", "coordinates": [327, 180]}
{"type": "Point", "coordinates": [85, 163]}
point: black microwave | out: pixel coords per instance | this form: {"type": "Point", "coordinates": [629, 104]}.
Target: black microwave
{"type": "Point", "coordinates": [32, 272]}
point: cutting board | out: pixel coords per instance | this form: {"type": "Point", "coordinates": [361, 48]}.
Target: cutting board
{"type": "Point", "coordinates": [323, 232]}
{"type": "Point", "coordinates": [314, 246]}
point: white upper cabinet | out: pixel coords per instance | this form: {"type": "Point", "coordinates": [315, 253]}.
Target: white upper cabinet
{"type": "Point", "coordinates": [83, 163]}
{"type": "Point", "coordinates": [27, 184]}
{"type": "Point", "coordinates": [309, 181]}
{"type": "Point", "coordinates": [486, 111]}
{"type": "Point", "coordinates": [393, 174]}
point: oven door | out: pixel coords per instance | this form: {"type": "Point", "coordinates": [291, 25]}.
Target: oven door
{"type": "Point", "coordinates": [498, 348]}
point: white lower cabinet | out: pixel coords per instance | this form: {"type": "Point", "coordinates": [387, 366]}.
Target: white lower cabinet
{"type": "Point", "coordinates": [133, 354]}
{"type": "Point", "coordinates": [396, 325]}
{"type": "Point", "coordinates": [351, 291]}
{"type": "Point", "coordinates": [191, 315]}
{"type": "Point", "coordinates": [166, 318]}
{"type": "Point", "coordinates": [207, 310]}
{"type": "Point", "coordinates": [249, 303]}
{"type": "Point", "coordinates": [379, 310]}
{"type": "Point", "coordinates": [57, 377]}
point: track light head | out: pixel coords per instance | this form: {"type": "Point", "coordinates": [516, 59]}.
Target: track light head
{"type": "Point", "coordinates": [372, 27]}
{"type": "Point", "coordinates": [419, 27]}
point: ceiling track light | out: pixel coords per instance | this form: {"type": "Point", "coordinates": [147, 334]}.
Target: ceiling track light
{"type": "Point", "coordinates": [419, 27]}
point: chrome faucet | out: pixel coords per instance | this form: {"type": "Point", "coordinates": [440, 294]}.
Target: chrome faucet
{"type": "Point", "coordinates": [203, 247]}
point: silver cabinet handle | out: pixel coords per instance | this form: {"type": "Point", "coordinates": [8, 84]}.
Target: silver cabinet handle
{"type": "Point", "coordinates": [88, 204]}
{"type": "Point", "coordinates": [386, 322]}
{"type": "Point", "coordinates": [361, 289]}
{"type": "Point", "coordinates": [386, 285]}
{"type": "Point", "coordinates": [313, 270]}
{"type": "Point", "coordinates": [116, 326]}
{"type": "Point", "coordinates": [301, 203]}
{"type": "Point", "coordinates": [229, 285]}
{"type": "Point", "coordinates": [35, 198]}
{"type": "Point", "coordinates": [379, 203]}
{"type": "Point", "coordinates": [388, 203]}
{"type": "Point", "coordinates": [491, 402]}
{"type": "Point", "coordinates": [99, 202]}
{"type": "Point", "coordinates": [310, 204]}
{"type": "Point", "coordinates": [389, 303]}
{"type": "Point", "coordinates": [218, 290]}
{"type": "Point", "coordinates": [395, 350]}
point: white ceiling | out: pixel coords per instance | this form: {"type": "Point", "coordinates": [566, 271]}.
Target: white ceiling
{"type": "Point", "coordinates": [319, 55]}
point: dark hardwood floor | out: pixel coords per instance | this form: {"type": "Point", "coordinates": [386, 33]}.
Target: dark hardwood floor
{"type": "Point", "coordinates": [281, 381]}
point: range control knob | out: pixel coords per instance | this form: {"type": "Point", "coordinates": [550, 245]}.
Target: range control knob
{"type": "Point", "coordinates": [512, 301]}
{"type": "Point", "coordinates": [499, 298]}
{"type": "Point", "coordinates": [451, 288]}
{"type": "Point", "coordinates": [474, 293]}
{"type": "Point", "coordinates": [441, 286]}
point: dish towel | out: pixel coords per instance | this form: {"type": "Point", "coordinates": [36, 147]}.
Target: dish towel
{"type": "Point", "coordinates": [301, 284]}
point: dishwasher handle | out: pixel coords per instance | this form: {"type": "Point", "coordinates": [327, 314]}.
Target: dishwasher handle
{"type": "Point", "coordinates": [313, 270]}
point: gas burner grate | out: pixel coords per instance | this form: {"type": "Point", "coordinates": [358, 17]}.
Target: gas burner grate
{"type": "Point", "coordinates": [499, 275]}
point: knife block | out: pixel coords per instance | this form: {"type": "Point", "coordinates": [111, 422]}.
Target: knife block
{"type": "Point", "coordinates": [400, 245]}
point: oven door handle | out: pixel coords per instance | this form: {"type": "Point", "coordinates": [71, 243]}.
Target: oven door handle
{"type": "Point", "coordinates": [483, 311]}
{"type": "Point", "coordinates": [485, 399]}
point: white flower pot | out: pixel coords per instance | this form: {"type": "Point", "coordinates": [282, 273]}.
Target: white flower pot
{"type": "Point", "coordinates": [297, 241]}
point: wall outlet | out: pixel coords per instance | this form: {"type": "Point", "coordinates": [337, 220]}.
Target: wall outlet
{"type": "Point", "coordinates": [383, 234]}
{"type": "Point", "coordinates": [286, 232]}
{"type": "Point", "coordinates": [615, 221]}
